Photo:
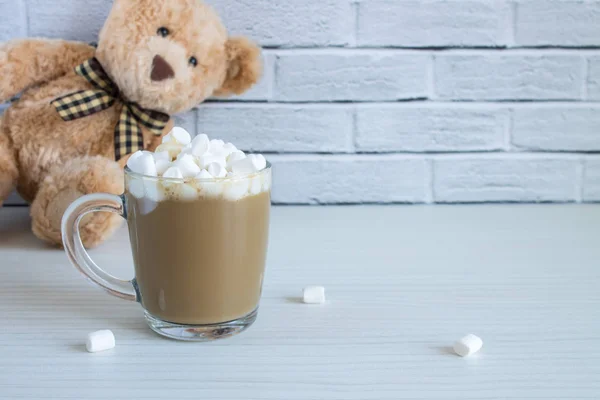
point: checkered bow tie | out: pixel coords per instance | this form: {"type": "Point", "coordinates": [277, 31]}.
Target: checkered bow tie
{"type": "Point", "coordinates": [128, 133]}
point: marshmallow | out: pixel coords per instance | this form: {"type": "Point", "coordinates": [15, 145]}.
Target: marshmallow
{"type": "Point", "coordinates": [154, 190]}
{"type": "Point", "coordinates": [236, 189]}
{"type": "Point", "coordinates": [227, 149]}
{"type": "Point", "coordinates": [233, 157]}
{"type": "Point", "coordinates": [178, 135]}
{"type": "Point", "coordinates": [173, 173]}
{"type": "Point", "coordinates": [100, 341]}
{"type": "Point", "coordinates": [187, 165]}
{"type": "Point", "coordinates": [217, 170]}
{"type": "Point", "coordinates": [162, 166]}
{"type": "Point", "coordinates": [136, 187]}
{"type": "Point", "coordinates": [143, 164]}
{"type": "Point", "coordinates": [210, 188]}
{"type": "Point", "coordinates": [204, 174]}
{"type": "Point", "coordinates": [208, 159]}
{"type": "Point", "coordinates": [314, 295]}
{"type": "Point", "coordinates": [200, 145]}
{"type": "Point", "coordinates": [146, 205]}
{"type": "Point", "coordinates": [198, 164]}
{"type": "Point", "coordinates": [161, 156]}
{"type": "Point", "coordinates": [266, 182]}
{"type": "Point", "coordinates": [468, 345]}
{"type": "Point", "coordinates": [171, 147]}
{"type": "Point", "coordinates": [216, 146]}
{"type": "Point", "coordinates": [134, 157]}
{"type": "Point", "coordinates": [261, 162]}
{"type": "Point", "coordinates": [249, 165]}
{"type": "Point", "coordinates": [186, 192]}
{"type": "Point", "coordinates": [184, 152]}
{"type": "Point", "coordinates": [256, 185]}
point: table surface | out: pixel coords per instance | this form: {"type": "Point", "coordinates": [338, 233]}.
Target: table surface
{"type": "Point", "coordinates": [403, 283]}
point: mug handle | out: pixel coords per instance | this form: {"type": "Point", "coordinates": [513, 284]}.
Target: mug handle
{"type": "Point", "coordinates": [76, 251]}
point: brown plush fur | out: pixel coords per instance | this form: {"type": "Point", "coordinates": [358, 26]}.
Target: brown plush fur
{"type": "Point", "coordinates": [52, 162]}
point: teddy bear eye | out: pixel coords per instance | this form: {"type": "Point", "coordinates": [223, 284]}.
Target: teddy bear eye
{"type": "Point", "coordinates": [162, 31]}
{"type": "Point", "coordinates": [193, 61]}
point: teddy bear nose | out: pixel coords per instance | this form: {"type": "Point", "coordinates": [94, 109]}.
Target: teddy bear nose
{"type": "Point", "coordinates": [161, 69]}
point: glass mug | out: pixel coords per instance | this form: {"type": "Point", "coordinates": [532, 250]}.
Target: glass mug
{"type": "Point", "coordinates": [199, 249]}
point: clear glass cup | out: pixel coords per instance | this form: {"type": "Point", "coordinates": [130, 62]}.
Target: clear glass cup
{"type": "Point", "coordinates": [199, 249]}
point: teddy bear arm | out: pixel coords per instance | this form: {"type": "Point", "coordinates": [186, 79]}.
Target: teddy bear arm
{"type": "Point", "coordinates": [67, 182]}
{"type": "Point", "coordinates": [31, 62]}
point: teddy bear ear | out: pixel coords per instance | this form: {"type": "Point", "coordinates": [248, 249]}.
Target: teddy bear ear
{"type": "Point", "coordinates": [244, 66]}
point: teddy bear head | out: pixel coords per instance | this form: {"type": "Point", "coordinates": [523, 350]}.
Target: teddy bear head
{"type": "Point", "coordinates": [170, 55]}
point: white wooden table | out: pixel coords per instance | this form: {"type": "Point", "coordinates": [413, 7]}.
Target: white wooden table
{"type": "Point", "coordinates": [402, 283]}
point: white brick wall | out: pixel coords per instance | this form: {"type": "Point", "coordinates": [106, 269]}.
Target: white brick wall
{"type": "Point", "coordinates": [426, 23]}
{"type": "Point", "coordinates": [400, 101]}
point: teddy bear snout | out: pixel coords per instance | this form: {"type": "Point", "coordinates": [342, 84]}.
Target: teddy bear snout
{"type": "Point", "coordinates": [161, 69]}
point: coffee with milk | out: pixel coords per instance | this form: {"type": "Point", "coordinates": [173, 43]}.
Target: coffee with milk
{"type": "Point", "coordinates": [198, 216]}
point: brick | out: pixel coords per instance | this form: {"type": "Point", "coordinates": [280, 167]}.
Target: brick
{"type": "Point", "coordinates": [350, 75]}
{"type": "Point", "coordinates": [425, 23]}
{"type": "Point", "coordinates": [508, 76]}
{"type": "Point", "coordinates": [515, 178]}
{"type": "Point", "coordinates": [591, 180]}
{"type": "Point", "coordinates": [562, 128]}
{"type": "Point", "coordinates": [279, 128]}
{"type": "Point", "coordinates": [430, 128]}
{"type": "Point", "coordinates": [13, 20]}
{"type": "Point", "coordinates": [557, 23]}
{"type": "Point", "coordinates": [289, 23]}
{"type": "Point", "coordinates": [187, 120]}
{"type": "Point", "coordinates": [68, 19]}
{"type": "Point", "coordinates": [593, 79]}
{"type": "Point", "coordinates": [348, 179]}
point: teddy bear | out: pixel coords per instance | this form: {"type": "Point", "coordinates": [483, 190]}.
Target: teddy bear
{"type": "Point", "coordinates": [84, 110]}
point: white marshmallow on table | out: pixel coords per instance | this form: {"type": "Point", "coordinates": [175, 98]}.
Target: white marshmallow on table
{"type": "Point", "coordinates": [314, 295]}
{"type": "Point", "coordinates": [187, 165]}
{"type": "Point", "coordinates": [251, 164]}
{"type": "Point", "coordinates": [468, 345]}
{"type": "Point", "coordinates": [142, 164]}
{"type": "Point", "coordinates": [200, 145]}
{"type": "Point", "coordinates": [178, 135]}
{"type": "Point", "coordinates": [100, 341]}
{"type": "Point", "coordinates": [217, 170]}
